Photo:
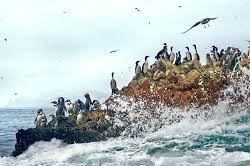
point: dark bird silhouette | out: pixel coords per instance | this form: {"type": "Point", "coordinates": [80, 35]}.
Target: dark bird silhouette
{"type": "Point", "coordinates": [113, 51]}
{"type": "Point", "coordinates": [162, 52]}
{"type": "Point", "coordinates": [137, 9]}
{"type": "Point", "coordinates": [202, 22]}
{"type": "Point", "coordinates": [16, 94]}
{"type": "Point", "coordinates": [5, 39]}
{"type": "Point", "coordinates": [2, 77]}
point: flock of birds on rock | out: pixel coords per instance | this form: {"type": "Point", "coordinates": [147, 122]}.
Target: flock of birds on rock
{"type": "Point", "coordinates": [78, 108]}
{"type": "Point", "coordinates": [226, 57]}
{"type": "Point", "coordinates": [231, 56]}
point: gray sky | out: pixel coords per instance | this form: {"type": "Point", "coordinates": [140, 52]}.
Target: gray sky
{"type": "Point", "coordinates": [50, 53]}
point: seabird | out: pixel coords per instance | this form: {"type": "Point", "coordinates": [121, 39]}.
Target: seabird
{"type": "Point", "coordinates": [215, 52]}
{"type": "Point", "coordinates": [178, 59]}
{"type": "Point", "coordinates": [41, 119]}
{"type": "Point", "coordinates": [145, 66]}
{"type": "Point", "coordinates": [5, 39]}
{"type": "Point", "coordinates": [209, 60]}
{"type": "Point", "coordinates": [113, 85]}
{"type": "Point", "coordinates": [16, 94]}
{"type": "Point", "coordinates": [113, 51]}
{"type": "Point", "coordinates": [188, 55]}
{"type": "Point", "coordinates": [162, 52]}
{"type": "Point", "coordinates": [203, 22]}
{"type": "Point", "coordinates": [137, 68]}
{"type": "Point", "coordinates": [172, 55]}
{"type": "Point", "coordinates": [137, 9]}
{"type": "Point", "coordinates": [196, 55]}
{"type": "Point", "coordinates": [88, 102]}
{"type": "Point", "coordinates": [2, 77]}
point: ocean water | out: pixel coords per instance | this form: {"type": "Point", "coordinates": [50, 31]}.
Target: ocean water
{"type": "Point", "coordinates": [221, 139]}
{"type": "Point", "coordinates": [218, 136]}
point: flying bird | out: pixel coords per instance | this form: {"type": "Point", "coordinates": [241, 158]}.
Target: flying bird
{"type": "Point", "coordinates": [2, 77]}
{"type": "Point", "coordinates": [203, 22]}
{"type": "Point", "coordinates": [5, 39]}
{"type": "Point", "coordinates": [114, 51]}
{"type": "Point", "coordinates": [137, 9]}
{"type": "Point", "coordinates": [16, 94]}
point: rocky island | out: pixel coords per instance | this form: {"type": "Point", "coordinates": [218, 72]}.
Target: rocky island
{"type": "Point", "coordinates": [185, 86]}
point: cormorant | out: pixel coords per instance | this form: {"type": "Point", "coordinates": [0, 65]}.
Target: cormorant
{"type": "Point", "coordinates": [88, 102]}
{"type": "Point", "coordinates": [203, 22]}
{"type": "Point", "coordinates": [145, 66]}
{"type": "Point", "coordinates": [196, 55]}
{"type": "Point", "coordinates": [188, 55]}
{"type": "Point", "coordinates": [172, 55]}
{"type": "Point", "coordinates": [137, 68]}
{"type": "Point", "coordinates": [113, 85]}
{"type": "Point", "coordinates": [163, 52]}
{"type": "Point", "coordinates": [178, 59]}
{"type": "Point", "coordinates": [209, 60]}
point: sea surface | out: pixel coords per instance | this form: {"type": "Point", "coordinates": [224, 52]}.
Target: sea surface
{"type": "Point", "coordinates": [222, 139]}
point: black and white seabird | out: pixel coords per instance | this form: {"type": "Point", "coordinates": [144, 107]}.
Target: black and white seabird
{"type": "Point", "coordinates": [209, 61]}
{"type": "Point", "coordinates": [203, 22]}
{"type": "Point", "coordinates": [178, 59]}
{"type": "Point", "coordinates": [41, 119]}
{"type": "Point", "coordinates": [172, 55]}
{"type": "Point", "coordinates": [196, 55]}
{"type": "Point", "coordinates": [145, 65]}
{"type": "Point", "coordinates": [137, 68]}
{"type": "Point", "coordinates": [163, 52]}
{"type": "Point", "coordinates": [248, 52]}
{"type": "Point", "coordinates": [215, 52]}
{"type": "Point", "coordinates": [61, 109]}
{"type": "Point", "coordinates": [113, 85]}
{"type": "Point", "coordinates": [188, 55]}
{"type": "Point", "coordinates": [88, 102]}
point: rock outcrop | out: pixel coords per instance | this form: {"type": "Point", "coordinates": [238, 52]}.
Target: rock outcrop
{"type": "Point", "coordinates": [186, 86]}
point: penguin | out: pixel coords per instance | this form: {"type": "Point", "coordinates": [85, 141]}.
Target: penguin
{"type": "Point", "coordinates": [96, 104]}
{"type": "Point", "coordinates": [40, 120]}
{"type": "Point", "coordinates": [178, 59]}
{"type": "Point", "coordinates": [81, 106]}
{"type": "Point", "coordinates": [70, 106]}
{"type": "Point", "coordinates": [209, 60]}
{"type": "Point", "coordinates": [196, 55]}
{"type": "Point", "coordinates": [188, 55]}
{"type": "Point", "coordinates": [216, 54]}
{"type": "Point", "coordinates": [137, 68]}
{"type": "Point", "coordinates": [145, 66]}
{"type": "Point", "coordinates": [172, 55]}
{"type": "Point", "coordinates": [221, 54]}
{"type": "Point", "coordinates": [113, 85]}
{"type": "Point", "coordinates": [54, 122]}
{"type": "Point", "coordinates": [79, 118]}
{"type": "Point", "coordinates": [162, 53]}
{"type": "Point", "coordinates": [61, 109]}
{"type": "Point", "coordinates": [213, 58]}
{"type": "Point", "coordinates": [88, 102]}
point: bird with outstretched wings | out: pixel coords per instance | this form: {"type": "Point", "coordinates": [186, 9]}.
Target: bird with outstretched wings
{"type": "Point", "coordinates": [137, 9]}
{"type": "Point", "coordinates": [114, 51]}
{"type": "Point", "coordinates": [203, 22]}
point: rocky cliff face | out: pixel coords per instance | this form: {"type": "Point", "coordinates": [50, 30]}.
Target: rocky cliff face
{"type": "Point", "coordinates": [185, 86]}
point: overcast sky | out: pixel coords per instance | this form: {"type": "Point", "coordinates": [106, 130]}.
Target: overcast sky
{"type": "Point", "coordinates": [61, 47]}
